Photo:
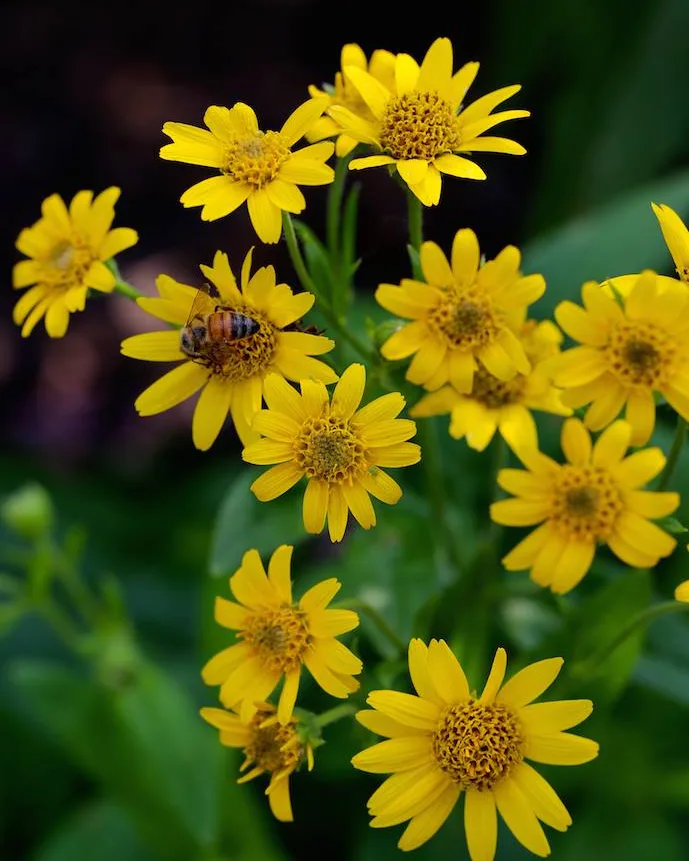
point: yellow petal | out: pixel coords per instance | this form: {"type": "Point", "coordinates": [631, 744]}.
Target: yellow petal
{"type": "Point", "coordinates": [519, 817]}
{"type": "Point", "coordinates": [171, 389]}
{"type": "Point", "coordinates": [279, 572]}
{"type": "Point", "coordinates": [211, 412]}
{"type": "Point", "coordinates": [276, 481]}
{"type": "Point", "coordinates": [530, 682]}
{"type": "Point", "coordinates": [480, 825]}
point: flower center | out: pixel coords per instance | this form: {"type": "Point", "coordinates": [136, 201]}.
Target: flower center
{"type": "Point", "coordinates": [494, 393]}
{"type": "Point", "coordinates": [586, 502]}
{"type": "Point", "coordinates": [640, 354]}
{"type": "Point", "coordinates": [280, 637]}
{"type": "Point", "coordinates": [419, 125]}
{"type": "Point", "coordinates": [273, 747]}
{"type": "Point", "coordinates": [256, 159]}
{"type": "Point", "coordinates": [328, 449]}
{"type": "Point", "coordinates": [68, 263]}
{"type": "Point", "coordinates": [478, 745]}
{"type": "Point", "coordinates": [466, 320]}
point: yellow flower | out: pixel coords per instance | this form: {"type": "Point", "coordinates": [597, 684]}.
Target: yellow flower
{"type": "Point", "coordinates": [269, 748]}
{"type": "Point", "coordinates": [255, 166]}
{"type": "Point", "coordinates": [595, 498]}
{"type": "Point", "coordinates": [337, 446]}
{"type": "Point", "coordinates": [676, 237]}
{"type": "Point", "coordinates": [447, 741]}
{"type": "Point", "coordinates": [629, 349]}
{"type": "Point", "coordinates": [67, 250]}
{"type": "Point", "coordinates": [465, 311]}
{"type": "Point", "coordinates": [418, 125]}
{"type": "Point", "coordinates": [344, 93]}
{"type": "Point", "coordinates": [682, 592]}
{"type": "Point", "coordinates": [232, 378]}
{"type": "Point", "coordinates": [498, 405]}
{"type": "Point", "coordinates": [278, 636]}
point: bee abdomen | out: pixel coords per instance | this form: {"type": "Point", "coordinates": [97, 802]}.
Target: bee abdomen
{"type": "Point", "coordinates": [231, 326]}
{"type": "Point", "coordinates": [243, 326]}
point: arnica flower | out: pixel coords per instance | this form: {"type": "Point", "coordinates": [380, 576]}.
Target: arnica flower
{"type": "Point", "coordinates": [231, 379]}
{"type": "Point", "coordinates": [418, 126]}
{"type": "Point", "coordinates": [337, 446]}
{"type": "Point", "coordinates": [345, 94]}
{"type": "Point", "coordinates": [501, 405]}
{"type": "Point", "coordinates": [256, 167]}
{"type": "Point", "coordinates": [278, 636]}
{"type": "Point", "coordinates": [464, 313]}
{"type": "Point", "coordinates": [67, 250]}
{"type": "Point", "coordinates": [595, 498]}
{"type": "Point", "coordinates": [629, 349]}
{"type": "Point", "coordinates": [676, 237]}
{"type": "Point", "coordinates": [446, 741]}
{"type": "Point", "coordinates": [269, 748]}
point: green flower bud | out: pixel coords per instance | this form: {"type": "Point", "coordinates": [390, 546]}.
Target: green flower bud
{"type": "Point", "coordinates": [28, 511]}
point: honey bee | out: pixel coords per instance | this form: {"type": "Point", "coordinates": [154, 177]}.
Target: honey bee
{"type": "Point", "coordinates": [212, 328]}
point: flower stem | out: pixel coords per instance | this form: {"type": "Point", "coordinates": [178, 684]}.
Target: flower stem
{"type": "Point", "coordinates": [414, 221]}
{"type": "Point", "coordinates": [375, 617]}
{"type": "Point", "coordinates": [334, 714]}
{"type": "Point", "coordinates": [334, 207]}
{"type": "Point", "coordinates": [127, 290]}
{"type": "Point", "coordinates": [309, 284]}
{"type": "Point", "coordinates": [675, 451]}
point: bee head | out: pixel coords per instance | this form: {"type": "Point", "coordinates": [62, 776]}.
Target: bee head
{"type": "Point", "coordinates": [191, 338]}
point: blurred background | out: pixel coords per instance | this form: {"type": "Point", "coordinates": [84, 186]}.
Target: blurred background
{"type": "Point", "coordinates": [86, 92]}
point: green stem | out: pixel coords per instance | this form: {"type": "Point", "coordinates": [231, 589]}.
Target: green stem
{"type": "Point", "coordinates": [415, 222]}
{"type": "Point", "coordinates": [675, 451]}
{"type": "Point", "coordinates": [75, 587]}
{"type": "Point", "coordinates": [62, 625]}
{"type": "Point", "coordinates": [309, 285]}
{"type": "Point", "coordinates": [376, 618]}
{"type": "Point", "coordinates": [333, 210]}
{"type": "Point", "coordinates": [127, 290]}
{"type": "Point", "coordinates": [334, 714]}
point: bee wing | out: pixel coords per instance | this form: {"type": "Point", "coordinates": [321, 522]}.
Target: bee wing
{"type": "Point", "coordinates": [205, 302]}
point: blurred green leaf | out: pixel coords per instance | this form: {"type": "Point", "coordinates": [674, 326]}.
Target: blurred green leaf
{"type": "Point", "coordinates": [99, 830]}
{"type": "Point", "coordinates": [244, 523]}
{"type": "Point", "coordinates": [317, 259]}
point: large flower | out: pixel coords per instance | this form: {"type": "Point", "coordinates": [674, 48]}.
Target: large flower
{"type": "Point", "coordinates": [418, 125]}
{"type": "Point", "coordinates": [447, 741]}
{"type": "Point", "coordinates": [344, 93]}
{"type": "Point", "coordinates": [630, 348]}
{"type": "Point", "coordinates": [465, 311]}
{"type": "Point", "coordinates": [67, 250]}
{"type": "Point", "coordinates": [269, 748]}
{"type": "Point", "coordinates": [595, 498]}
{"type": "Point", "coordinates": [337, 446]}
{"type": "Point", "coordinates": [502, 405]}
{"type": "Point", "coordinates": [278, 636]}
{"type": "Point", "coordinates": [232, 376]}
{"type": "Point", "coordinates": [255, 166]}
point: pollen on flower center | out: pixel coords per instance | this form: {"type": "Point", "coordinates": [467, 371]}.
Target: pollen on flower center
{"type": "Point", "coordinates": [640, 354]}
{"type": "Point", "coordinates": [69, 262]}
{"type": "Point", "coordinates": [419, 125]}
{"type": "Point", "coordinates": [467, 320]}
{"type": "Point", "coordinates": [586, 502]}
{"type": "Point", "coordinates": [328, 449]}
{"type": "Point", "coordinates": [494, 393]}
{"type": "Point", "coordinates": [256, 159]}
{"type": "Point", "coordinates": [280, 637]}
{"type": "Point", "coordinates": [477, 745]}
{"type": "Point", "coordinates": [273, 747]}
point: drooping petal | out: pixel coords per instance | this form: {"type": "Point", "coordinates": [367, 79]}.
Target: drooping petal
{"type": "Point", "coordinates": [480, 825]}
{"type": "Point", "coordinates": [211, 412]}
{"type": "Point", "coordinates": [520, 818]}
{"type": "Point", "coordinates": [171, 389]}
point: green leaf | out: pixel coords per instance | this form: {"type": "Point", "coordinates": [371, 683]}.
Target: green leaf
{"type": "Point", "coordinates": [672, 525]}
{"type": "Point", "coordinates": [244, 523]}
{"type": "Point", "coordinates": [317, 259]}
{"type": "Point", "coordinates": [621, 237]}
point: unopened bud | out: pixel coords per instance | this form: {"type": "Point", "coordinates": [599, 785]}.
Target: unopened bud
{"type": "Point", "coordinates": [28, 511]}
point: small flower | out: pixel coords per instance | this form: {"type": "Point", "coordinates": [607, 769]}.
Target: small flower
{"type": "Point", "coordinates": [345, 94]}
{"type": "Point", "coordinates": [595, 498]}
{"type": "Point", "coordinates": [628, 350]}
{"type": "Point", "coordinates": [447, 741]}
{"type": "Point", "coordinates": [269, 748]}
{"type": "Point", "coordinates": [502, 405]}
{"type": "Point", "coordinates": [418, 125]}
{"type": "Point", "coordinates": [278, 636]}
{"type": "Point", "coordinates": [338, 447]}
{"type": "Point", "coordinates": [676, 237]}
{"type": "Point", "coordinates": [465, 311]}
{"type": "Point", "coordinates": [255, 166]}
{"type": "Point", "coordinates": [67, 250]}
{"type": "Point", "coordinates": [232, 380]}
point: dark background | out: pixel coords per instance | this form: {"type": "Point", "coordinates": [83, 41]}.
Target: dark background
{"type": "Point", "coordinates": [86, 90]}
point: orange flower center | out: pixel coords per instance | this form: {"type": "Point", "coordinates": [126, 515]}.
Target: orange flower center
{"type": "Point", "coordinates": [279, 637]}
{"type": "Point", "coordinates": [329, 449]}
{"type": "Point", "coordinates": [494, 393]}
{"type": "Point", "coordinates": [586, 502]}
{"type": "Point", "coordinates": [419, 125]}
{"type": "Point", "coordinates": [68, 263]}
{"type": "Point", "coordinates": [272, 747]}
{"type": "Point", "coordinates": [640, 354]}
{"type": "Point", "coordinates": [256, 159]}
{"type": "Point", "coordinates": [465, 319]}
{"type": "Point", "coordinates": [477, 745]}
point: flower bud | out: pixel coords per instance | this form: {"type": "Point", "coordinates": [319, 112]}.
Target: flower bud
{"type": "Point", "coordinates": [28, 511]}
